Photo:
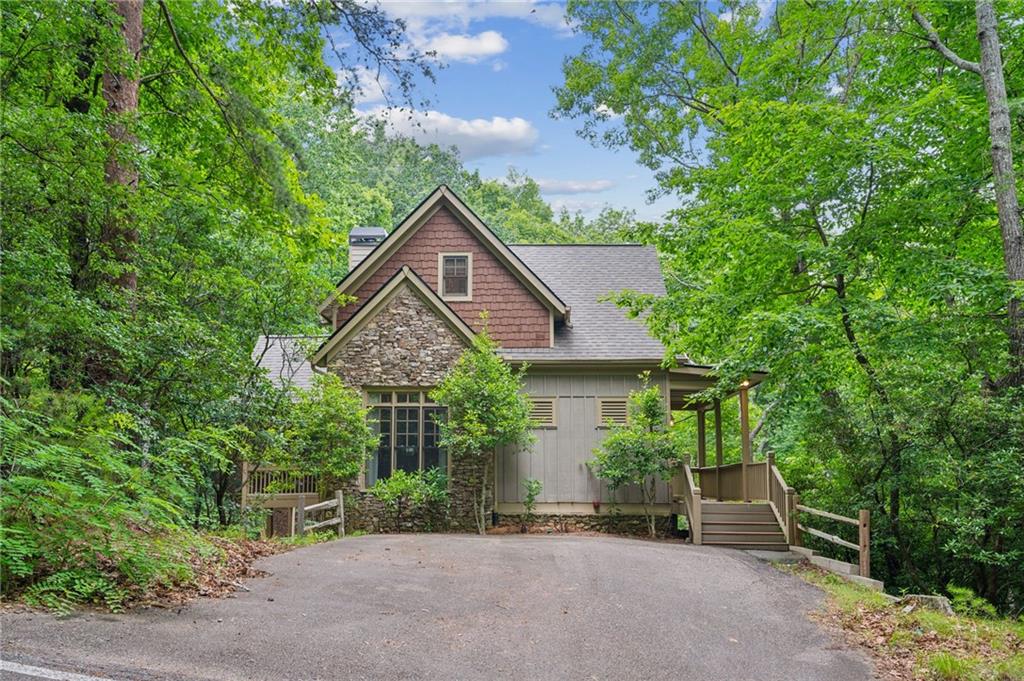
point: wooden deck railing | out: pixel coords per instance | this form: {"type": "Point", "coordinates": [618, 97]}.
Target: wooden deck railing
{"type": "Point", "coordinates": [783, 500]}
{"type": "Point", "coordinates": [725, 483]}
{"type": "Point", "coordinates": [863, 523]}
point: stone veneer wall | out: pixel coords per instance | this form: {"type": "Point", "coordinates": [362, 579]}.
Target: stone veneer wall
{"type": "Point", "coordinates": [612, 523]}
{"type": "Point", "coordinates": [406, 345]}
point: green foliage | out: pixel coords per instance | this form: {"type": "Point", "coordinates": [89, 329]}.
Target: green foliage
{"type": "Point", "coordinates": [487, 409]}
{"type": "Point", "coordinates": [833, 227]}
{"type": "Point", "coordinates": [532, 489]}
{"type": "Point", "coordinates": [87, 516]}
{"type": "Point", "coordinates": [640, 453]}
{"type": "Point", "coordinates": [966, 602]}
{"type": "Point", "coordinates": [329, 433]}
{"type": "Point", "coordinates": [403, 491]}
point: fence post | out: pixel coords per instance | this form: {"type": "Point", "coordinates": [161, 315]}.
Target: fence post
{"type": "Point", "coordinates": [300, 522]}
{"type": "Point", "coordinates": [769, 475]}
{"type": "Point", "coordinates": [341, 512]}
{"type": "Point", "coordinates": [865, 542]}
{"type": "Point", "coordinates": [795, 538]}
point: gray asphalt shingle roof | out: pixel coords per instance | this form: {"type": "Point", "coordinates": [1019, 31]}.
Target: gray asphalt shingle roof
{"type": "Point", "coordinates": [286, 358]}
{"type": "Point", "coordinates": [581, 275]}
{"type": "Point", "coordinates": [578, 274]}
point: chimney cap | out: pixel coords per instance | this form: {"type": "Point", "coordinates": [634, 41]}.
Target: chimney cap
{"type": "Point", "coordinates": [367, 234]}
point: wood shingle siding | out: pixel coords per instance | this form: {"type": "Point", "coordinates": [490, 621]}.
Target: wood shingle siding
{"type": "Point", "coordinates": [517, 318]}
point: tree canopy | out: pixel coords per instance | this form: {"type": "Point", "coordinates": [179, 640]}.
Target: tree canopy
{"type": "Point", "coordinates": [837, 226]}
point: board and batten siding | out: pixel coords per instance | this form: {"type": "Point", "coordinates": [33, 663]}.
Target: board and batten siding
{"type": "Point", "coordinates": [559, 456]}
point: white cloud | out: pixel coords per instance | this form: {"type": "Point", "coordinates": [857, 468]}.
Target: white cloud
{"type": "Point", "coordinates": [498, 65]}
{"type": "Point", "coordinates": [577, 206]}
{"type": "Point", "coordinates": [462, 13]}
{"type": "Point", "coordinates": [574, 186]}
{"type": "Point", "coordinates": [475, 138]}
{"type": "Point", "coordinates": [369, 86]}
{"type": "Point", "coordinates": [466, 48]}
{"type": "Point", "coordinates": [607, 113]}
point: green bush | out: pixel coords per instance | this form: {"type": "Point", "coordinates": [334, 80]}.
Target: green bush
{"type": "Point", "coordinates": [532, 489]}
{"type": "Point", "coordinates": [403, 491]}
{"type": "Point", "coordinates": [966, 602]}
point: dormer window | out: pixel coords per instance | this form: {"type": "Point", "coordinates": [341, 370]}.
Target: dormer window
{"type": "Point", "coordinates": [455, 276]}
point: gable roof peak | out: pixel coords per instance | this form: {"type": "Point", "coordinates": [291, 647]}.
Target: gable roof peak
{"type": "Point", "coordinates": [444, 196]}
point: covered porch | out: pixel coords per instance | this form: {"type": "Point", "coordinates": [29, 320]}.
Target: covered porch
{"type": "Point", "coordinates": [745, 503]}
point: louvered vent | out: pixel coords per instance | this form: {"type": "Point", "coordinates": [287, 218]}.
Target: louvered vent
{"type": "Point", "coordinates": [542, 412]}
{"type": "Point", "coordinates": [613, 410]}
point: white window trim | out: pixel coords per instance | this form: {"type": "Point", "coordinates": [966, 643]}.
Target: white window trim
{"type": "Point", "coordinates": [601, 423]}
{"type": "Point", "coordinates": [554, 413]}
{"type": "Point", "coordinates": [469, 277]}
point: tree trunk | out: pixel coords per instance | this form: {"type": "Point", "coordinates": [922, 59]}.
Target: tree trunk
{"type": "Point", "coordinates": [120, 235]}
{"type": "Point", "coordinates": [990, 68]}
{"type": "Point", "coordinates": [1004, 181]}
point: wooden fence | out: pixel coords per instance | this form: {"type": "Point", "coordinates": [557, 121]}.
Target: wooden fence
{"type": "Point", "coordinates": [863, 523]}
{"type": "Point", "coordinates": [320, 514]}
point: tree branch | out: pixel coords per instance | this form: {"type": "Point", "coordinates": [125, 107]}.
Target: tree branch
{"type": "Point", "coordinates": [940, 47]}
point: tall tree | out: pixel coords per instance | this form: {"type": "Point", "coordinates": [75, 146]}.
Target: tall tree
{"type": "Point", "coordinates": [1004, 177]}
{"type": "Point", "coordinates": [835, 226]}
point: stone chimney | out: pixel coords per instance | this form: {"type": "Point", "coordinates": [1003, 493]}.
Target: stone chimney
{"type": "Point", "coordinates": [362, 240]}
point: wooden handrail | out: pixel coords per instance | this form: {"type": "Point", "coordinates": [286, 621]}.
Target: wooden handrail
{"type": "Point", "coordinates": [692, 500]}
{"type": "Point", "coordinates": [826, 514]}
{"type": "Point", "coordinates": [863, 545]}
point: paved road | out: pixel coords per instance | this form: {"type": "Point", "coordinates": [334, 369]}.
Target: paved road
{"type": "Point", "coordinates": [467, 607]}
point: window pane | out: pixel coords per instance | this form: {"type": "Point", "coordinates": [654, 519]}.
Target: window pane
{"type": "Point", "coordinates": [407, 397]}
{"type": "Point", "coordinates": [433, 454]}
{"type": "Point", "coordinates": [455, 275]}
{"type": "Point", "coordinates": [379, 466]}
{"type": "Point", "coordinates": [407, 439]}
{"type": "Point", "coordinates": [377, 397]}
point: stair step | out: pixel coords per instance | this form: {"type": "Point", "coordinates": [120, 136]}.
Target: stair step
{"type": "Point", "coordinates": [750, 545]}
{"type": "Point", "coordinates": [740, 527]}
{"type": "Point", "coordinates": [745, 518]}
{"type": "Point", "coordinates": [743, 537]}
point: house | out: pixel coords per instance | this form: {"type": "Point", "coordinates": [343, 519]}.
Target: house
{"type": "Point", "coordinates": [412, 302]}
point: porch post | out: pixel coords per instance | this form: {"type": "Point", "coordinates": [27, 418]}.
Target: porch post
{"type": "Point", "coordinates": [718, 448]}
{"type": "Point", "coordinates": [701, 440]}
{"type": "Point", "coordinates": [745, 437]}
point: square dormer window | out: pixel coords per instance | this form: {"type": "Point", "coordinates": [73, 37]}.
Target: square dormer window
{"type": "Point", "coordinates": [455, 276]}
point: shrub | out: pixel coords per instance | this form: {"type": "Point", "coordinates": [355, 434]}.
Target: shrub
{"type": "Point", "coordinates": [532, 488]}
{"type": "Point", "coordinates": [966, 602]}
{"type": "Point", "coordinates": [330, 434]}
{"type": "Point", "coordinates": [402, 491]}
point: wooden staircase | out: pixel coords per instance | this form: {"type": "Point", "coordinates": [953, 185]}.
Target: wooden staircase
{"type": "Point", "coordinates": [741, 526]}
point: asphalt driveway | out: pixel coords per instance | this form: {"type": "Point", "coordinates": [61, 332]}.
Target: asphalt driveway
{"type": "Point", "coordinates": [467, 607]}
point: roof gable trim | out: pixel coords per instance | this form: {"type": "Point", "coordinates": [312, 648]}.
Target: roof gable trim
{"type": "Point", "coordinates": [443, 196]}
{"type": "Point", "coordinates": [405, 276]}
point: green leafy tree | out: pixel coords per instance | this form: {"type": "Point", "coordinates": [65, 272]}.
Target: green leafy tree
{"type": "Point", "coordinates": [641, 452]}
{"type": "Point", "coordinates": [487, 409]}
{"type": "Point", "coordinates": [329, 433]}
{"type": "Point", "coordinates": [836, 225]}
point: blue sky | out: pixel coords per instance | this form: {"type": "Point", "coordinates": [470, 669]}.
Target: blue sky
{"type": "Point", "coordinates": [493, 97]}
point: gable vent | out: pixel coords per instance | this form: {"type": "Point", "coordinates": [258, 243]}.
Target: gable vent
{"type": "Point", "coordinates": [613, 409]}
{"type": "Point", "coordinates": [542, 412]}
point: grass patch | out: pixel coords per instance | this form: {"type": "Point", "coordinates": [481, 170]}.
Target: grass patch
{"type": "Point", "coordinates": [921, 644]}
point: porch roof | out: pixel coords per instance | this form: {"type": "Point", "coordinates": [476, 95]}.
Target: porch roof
{"type": "Point", "coordinates": [686, 381]}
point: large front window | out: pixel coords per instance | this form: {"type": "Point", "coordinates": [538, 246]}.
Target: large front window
{"type": "Point", "coordinates": [407, 423]}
